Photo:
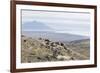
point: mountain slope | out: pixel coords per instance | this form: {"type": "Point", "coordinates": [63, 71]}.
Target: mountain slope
{"type": "Point", "coordinates": [42, 50]}
{"type": "Point", "coordinates": [80, 48]}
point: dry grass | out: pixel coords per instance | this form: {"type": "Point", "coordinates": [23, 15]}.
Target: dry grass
{"type": "Point", "coordinates": [42, 50]}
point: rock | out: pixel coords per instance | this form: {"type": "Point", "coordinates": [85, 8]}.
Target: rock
{"type": "Point", "coordinates": [42, 50]}
{"type": "Point", "coordinates": [64, 57]}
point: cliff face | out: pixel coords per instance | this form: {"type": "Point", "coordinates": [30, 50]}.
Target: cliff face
{"type": "Point", "coordinates": [43, 50]}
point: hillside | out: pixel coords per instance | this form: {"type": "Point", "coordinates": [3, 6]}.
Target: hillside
{"type": "Point", "coordinates": [80, 48]}
{"type": "Point", "coordinates": [42, 50]}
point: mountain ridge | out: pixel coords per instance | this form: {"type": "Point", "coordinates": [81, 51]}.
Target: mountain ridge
{"type": "Point", "coordinates": [54, 36]}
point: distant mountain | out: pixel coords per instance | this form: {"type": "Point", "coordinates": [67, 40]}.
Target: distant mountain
{"type": "Point", "coordinates": [62, 37]}
{"type": "Point", "coordinates": [35, 25]}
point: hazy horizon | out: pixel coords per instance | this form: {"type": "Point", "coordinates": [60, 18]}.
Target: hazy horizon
{"type": "Point", "coordinates": [51, 32]}
{"type": "Point", "coordinates": [58, 22]}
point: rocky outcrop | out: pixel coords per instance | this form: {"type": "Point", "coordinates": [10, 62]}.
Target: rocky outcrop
{"type": "Point", "coordinates": [42, 50]}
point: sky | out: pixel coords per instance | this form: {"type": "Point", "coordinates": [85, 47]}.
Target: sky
{"type": "Point", "coordinates": [56, 21]}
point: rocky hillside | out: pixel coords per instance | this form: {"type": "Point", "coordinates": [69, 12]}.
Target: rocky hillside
{"type": "Point", "coordinates": [42, 50]}
{"type": "Point", "coordinates": [80, 48]}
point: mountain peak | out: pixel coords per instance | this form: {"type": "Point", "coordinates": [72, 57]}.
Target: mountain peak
{"type": "Point", "coordinates": [35, 25]}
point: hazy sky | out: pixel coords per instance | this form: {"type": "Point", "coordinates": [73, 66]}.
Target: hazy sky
{"type": "Point", "coordinates": [61, 22]}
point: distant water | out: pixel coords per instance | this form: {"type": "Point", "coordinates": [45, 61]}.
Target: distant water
{"type": "Point", "coordinates": [63, 37]}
